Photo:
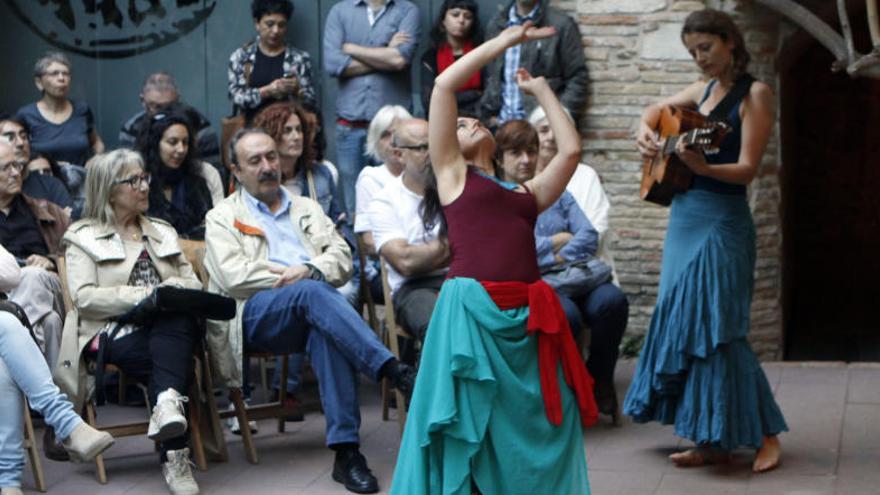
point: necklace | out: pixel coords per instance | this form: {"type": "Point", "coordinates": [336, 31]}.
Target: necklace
{"type": "Point", "coordinates": [135, 236]}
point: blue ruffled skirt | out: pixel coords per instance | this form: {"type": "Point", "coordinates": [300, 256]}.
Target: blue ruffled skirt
{"type": "Point", "coordinates": [697, 369]}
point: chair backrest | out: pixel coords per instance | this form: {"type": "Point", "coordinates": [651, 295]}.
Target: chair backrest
{"type": "Point", "coordinates": [366, 295]}
{"type": "Point", "coordinates": [195, 254]}
{"type": "Point", "coordinates": [61, 265]}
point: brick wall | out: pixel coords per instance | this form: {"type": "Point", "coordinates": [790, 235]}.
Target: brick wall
{"type": "Point", "coordinates": [635, 57]}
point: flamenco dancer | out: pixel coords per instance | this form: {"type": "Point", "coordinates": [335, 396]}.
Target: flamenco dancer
{"type": "Point", "coordinates": [697, 370]}
{"type": "Point", "coordinates": [501, 391]}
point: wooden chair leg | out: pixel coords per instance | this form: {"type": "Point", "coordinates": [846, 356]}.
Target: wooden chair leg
{"type": "Point", "coordinates": [219, 452]}
{"type": "Point", "coordinates": [247, 439]}
{"type": "Point", "coordinates": [33, 453]}
{"type": "Point", "coordinates": [195, 430]}
{"type": "Point", "coordinates": [386, 399]}
{"type": "Point", "coordinates": [101, 471]}
{"type": "Point", "coordinates": [121, 384]}
{"type": "Point", "coordinates": [282, 388]}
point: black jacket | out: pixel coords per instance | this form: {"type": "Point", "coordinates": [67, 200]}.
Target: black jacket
{"type": "Point", "coordinates": [559, 59]}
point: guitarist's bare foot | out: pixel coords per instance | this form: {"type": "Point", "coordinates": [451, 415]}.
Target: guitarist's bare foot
{"type": "Point", "coordinates": [699, 456]}
{"type": "Point", "coordinates": [768, 455]}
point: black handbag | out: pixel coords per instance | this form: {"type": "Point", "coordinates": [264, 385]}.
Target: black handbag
{"type": "Point", "coordinates": [166, 299]}
{"type": "Point", "coordinates": [578, 277]}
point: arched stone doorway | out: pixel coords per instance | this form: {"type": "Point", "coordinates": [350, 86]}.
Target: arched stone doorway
{"type": "Point", "coordinates": [830, 182]}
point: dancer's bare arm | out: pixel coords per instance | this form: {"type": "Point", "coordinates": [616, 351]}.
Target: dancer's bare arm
{"type": "Point", "coordinates": [446, 159]}
{"type": "Point", "coordinates": [549, 184]}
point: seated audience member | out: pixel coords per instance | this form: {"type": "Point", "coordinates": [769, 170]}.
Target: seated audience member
{"type": "Point", "coordinates": [266, 69]}
{"type": "Point", "coordinates": [116, 257]}
{"type": "Point", "coordinates": [31, 230]}
{"type": "Point", "coordinates": [456, 31]}
{"type": "Point", "coordinates": [563, 233]}
{"type": "Point", "coordinates": [22, 370]}
{"type": "Point", "coordinates": [417, 256]}
{"type": "Point", "coordinates": [60, 128]}
{"type": "Point", "coordinates": [183, 188]}
{"type": "Point", "coordinates": [370, 182]}
{"type": "Point", "coordinates": [41, 185]}
{"type": "Point", "coordinates": [159, 91]}
{"type": "Point", "coordinates": [290, 125]}
{"type": "Point", "coordinates": [584, 185]}
{"type": "Point", "coordinates": [280, 257]}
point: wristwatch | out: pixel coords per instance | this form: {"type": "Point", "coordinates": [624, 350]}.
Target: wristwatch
{"type": "Point", "coordinates": [314, 273]}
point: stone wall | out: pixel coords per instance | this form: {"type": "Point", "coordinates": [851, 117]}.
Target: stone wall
{"type": "Point", "coordinates": [635, 57]}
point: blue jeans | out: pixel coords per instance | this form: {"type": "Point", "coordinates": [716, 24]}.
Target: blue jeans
{"type": "Point", "coordinates": [313, 315]}
{"type": "Point", "coordinates": [606, 310]}
{"type": "Point", "coordinates": [23, 369]}
{"type": "Point", "coordinates": [350, 159]}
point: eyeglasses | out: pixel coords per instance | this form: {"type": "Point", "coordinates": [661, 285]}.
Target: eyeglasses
{"type": "Point", "coordinates": [134, 182]}
{"type": "Point", "coordinates": [41, 171]}
{"type": "Point", "coordinates": [11, 135]}
{"type": "Point", "coordinates": [17, 166]}
{"type": "Point", "coordinates": [415, 147]}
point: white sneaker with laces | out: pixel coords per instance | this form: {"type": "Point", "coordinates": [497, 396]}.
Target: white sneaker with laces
{"type": "Point", "coordinates": [168, 419]}
{"type": "Point", "coordinates": [235, 428]}
{"type": "Point", "coordinates": [178, 473]}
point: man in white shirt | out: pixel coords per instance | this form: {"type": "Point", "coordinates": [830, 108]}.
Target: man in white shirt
{"type": "Point", "coordinates": [417, 256]}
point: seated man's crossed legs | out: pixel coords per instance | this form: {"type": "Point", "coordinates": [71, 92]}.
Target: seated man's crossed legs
{"type": "Point", "coordinates": [312, 315]}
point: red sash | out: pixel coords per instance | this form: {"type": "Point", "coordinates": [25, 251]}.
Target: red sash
{"type": "Point", "coordinates": [555, 343]}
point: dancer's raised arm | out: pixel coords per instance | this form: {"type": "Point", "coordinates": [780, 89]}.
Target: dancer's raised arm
{"type": "Point", "coordinates": [446, 158]}
{"type": "Point", "coordinates": [550, 183]}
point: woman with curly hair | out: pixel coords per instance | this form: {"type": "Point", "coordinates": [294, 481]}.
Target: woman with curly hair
{"type": "Point", "coordinates": [184, 187]}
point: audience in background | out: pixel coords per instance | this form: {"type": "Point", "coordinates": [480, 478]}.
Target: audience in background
{"type": "Point", "coordinates": [417, 255]}
{"type": "Point", "coordinates": [564, 234]}
{"type": "Point", "coordinates": [266, 69]}
{"type": "Point", "coordinates": [60, 128]}
{"type": "Point", "coordinates": [159, 91]}
{"type": "Point", "coordinates": [456, 31]}
{"type": "Point", "coordinates": [559, 59]}
{"type": "Point", "coordinates": [115, 258]}
{"type": "Point", "coordinates": [368, 48]}
{"type": "Point", "coordinates": [40, 185]}
{"type": "Point", "coordinates": [280, 257]}
{"type": "Point", "coordinates": [370, 182]}
{"type": "Point", "coordinates": [183, 188]}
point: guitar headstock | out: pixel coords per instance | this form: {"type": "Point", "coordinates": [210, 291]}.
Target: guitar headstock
{"type": "Point", "coordinates": [708, 137]}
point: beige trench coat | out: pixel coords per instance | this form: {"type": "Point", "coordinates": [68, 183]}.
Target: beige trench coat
{"type": "Point", "coordinates": [98, 268]}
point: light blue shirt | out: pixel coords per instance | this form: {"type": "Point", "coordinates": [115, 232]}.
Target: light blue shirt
{"type": "Point", "coordinates": [564, 216]}
{"type": "Point", "coordinates": [360, 97]}
{"type": "Point", "coordinates": [511, 98]}
{"type": "Point", "coordinates": [285, 247]}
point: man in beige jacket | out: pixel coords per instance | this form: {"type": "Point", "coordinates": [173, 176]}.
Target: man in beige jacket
{"type": "Point", "coordinates": [280, 257]}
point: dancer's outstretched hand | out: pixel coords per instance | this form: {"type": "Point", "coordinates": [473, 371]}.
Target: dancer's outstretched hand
{"type": "Point", "coordinates": [528, 84]}
{"type": "Point", "coordinates": [526, 32]}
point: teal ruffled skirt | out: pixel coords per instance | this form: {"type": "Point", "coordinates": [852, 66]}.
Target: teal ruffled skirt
{"type": "Point", "coordinates": [697, 369]}
{"type": "Point", "coordinates": [477, 412]}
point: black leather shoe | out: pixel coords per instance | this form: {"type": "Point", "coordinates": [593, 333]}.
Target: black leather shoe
{"type": "Point", "coordinates": [350, 469]}
{"type": "Point", "coordinates": [404, 380]}
{"type": "Point", "coordinates": [51, 449]}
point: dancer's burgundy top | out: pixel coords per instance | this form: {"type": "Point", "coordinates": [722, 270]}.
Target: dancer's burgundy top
{"type": "Point", "coordinates": [491, 232]}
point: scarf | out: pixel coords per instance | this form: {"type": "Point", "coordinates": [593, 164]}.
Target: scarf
{"type": "Point", "coordinates": [445, 58]}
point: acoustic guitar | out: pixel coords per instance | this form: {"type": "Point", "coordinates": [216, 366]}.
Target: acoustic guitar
{"type": "Point", "coordinates": [666, 175]}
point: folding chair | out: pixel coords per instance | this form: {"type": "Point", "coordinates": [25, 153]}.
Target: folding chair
{"type": "Point", "coordinates": [30, 446]}
{"type": "Point", "coordinates": [140, 427]}
{"type": "Point", "coordinates": [394, 333]}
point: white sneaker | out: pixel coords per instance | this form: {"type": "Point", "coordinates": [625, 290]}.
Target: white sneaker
{"type": "Point", "coordinates": [233, 425]}
{"type": "Point", "coordinates": [84, 443]}
{"type": "Point", "coordinates": [178, 473]}
{"type": "Point", "coordinates": [11, 490]}
{"type": "Point", "coordinates": [168, 419]}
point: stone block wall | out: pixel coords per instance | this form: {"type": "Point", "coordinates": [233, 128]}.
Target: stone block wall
{"type": "Point", "coordinates": [635, 57]}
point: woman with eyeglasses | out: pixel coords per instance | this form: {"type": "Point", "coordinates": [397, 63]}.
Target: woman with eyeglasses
{"type": "Point", "coordinates": [184, 187]}
{"type": "Point", "coordinates": [115, 257]}
{"type": "Point", "coordinates": [61, 128]}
